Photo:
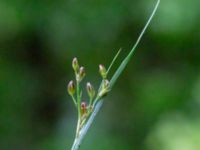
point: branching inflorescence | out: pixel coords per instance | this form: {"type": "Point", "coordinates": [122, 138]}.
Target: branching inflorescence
{"type": "Point", "coordinates": [87, 111]}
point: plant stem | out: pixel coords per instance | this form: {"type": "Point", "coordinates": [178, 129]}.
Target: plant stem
{"type": "Point", "coordinates": [78, 99]}
{"type": "Point", "coordinates": [83, 131]}
{"type": "Point", "coordinates": [79, 108]}
{"type": "Point", "coordinates": [74, 100]}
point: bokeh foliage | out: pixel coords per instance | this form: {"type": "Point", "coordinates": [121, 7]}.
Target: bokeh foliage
{"type": "Point", "coordinates": [154, 106]}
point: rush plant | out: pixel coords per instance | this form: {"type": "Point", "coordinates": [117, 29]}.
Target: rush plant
{"type": "Point", "coordinates": [88, 110]}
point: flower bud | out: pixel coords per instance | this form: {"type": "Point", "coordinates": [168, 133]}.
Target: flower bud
{"type": "Point", "coordinates": [90, 90]}
{"type": "Point", "coordinates": [81, 74]}
{"type": "Point", "coordinates": [71, 88]}
{"type": "Point", "coordinates": [75, 65]}
{"type": "Point", "coordinates": [102, 71]}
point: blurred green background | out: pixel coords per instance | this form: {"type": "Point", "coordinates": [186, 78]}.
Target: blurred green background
{"type": "Point", "coordinates": [155, 104]}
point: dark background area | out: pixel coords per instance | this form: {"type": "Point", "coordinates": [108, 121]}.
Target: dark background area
{"type": "Point", "coordinates": [155, 104]}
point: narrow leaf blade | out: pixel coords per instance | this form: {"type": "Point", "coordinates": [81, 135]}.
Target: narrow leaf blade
{"type": "Point", "coordinates": [113, 61]}
{"type": "Point", "coordinates": [128, 57]}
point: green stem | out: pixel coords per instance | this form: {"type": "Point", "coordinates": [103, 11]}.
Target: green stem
{"type": "Point", "coordinates": [74, 100]}
{"type": "Point", "coordinates": [78, 128]}
{"type": "Point", "coordinates": [83, 131]}
{"type": "Point", "coordinates": [91, 99]}
{"type": "Point", "coordinates": [78, 107]}
{"type": "Point", "coordinates": [95, 101]}
{"type": "Point", "coordinates": [78, 99]}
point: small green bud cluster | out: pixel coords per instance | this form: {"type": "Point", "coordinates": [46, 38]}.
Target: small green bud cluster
{"type": "Point", "coordinates": [85, 110]}
{"type": "Point", "coordinates": [79, 71]}
{"type": "Point", "coordinates": [105, 83]}
{"type": "Point", "coordinates": [80, 74]}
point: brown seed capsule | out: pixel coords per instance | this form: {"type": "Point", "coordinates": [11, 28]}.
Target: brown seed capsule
{"type": "Point", "coordinates": [102, 71]}
{"type": "Point", "coordinates": [83, 108]}
{"type": "Point", "coordinates": [71, 88]}
{"type": "Point", "coordinates": [90, 90]}
{"type": "Point", "coordinates": [75, 65]}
